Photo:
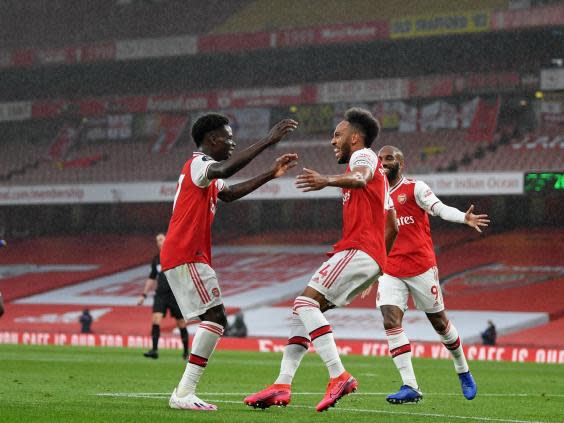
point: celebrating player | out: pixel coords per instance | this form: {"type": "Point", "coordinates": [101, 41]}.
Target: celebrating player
{"type": "Point", "coordinates": [412, 269]}
{"type": "Point", "coordinates": [186, 253]}
{"type": "Point", "coordinates": [164, 300]}
{"type": "Point", "coordinates": [355, 262]}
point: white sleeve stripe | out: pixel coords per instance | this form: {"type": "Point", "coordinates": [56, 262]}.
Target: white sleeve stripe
{"type": "Point", "coordinates": [199, 171]}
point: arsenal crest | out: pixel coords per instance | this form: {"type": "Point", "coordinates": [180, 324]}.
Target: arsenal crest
{"type": "Point", "coordinates": [402, 198]}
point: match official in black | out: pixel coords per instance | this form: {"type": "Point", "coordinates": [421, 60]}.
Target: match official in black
{"type": "Point", "coordinates": [164, 299]}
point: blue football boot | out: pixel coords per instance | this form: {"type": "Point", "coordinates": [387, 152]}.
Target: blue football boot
{"type": "Point", "coordinates": [405, 394]}
{"type": "Point", "coordinates": [468, 385]}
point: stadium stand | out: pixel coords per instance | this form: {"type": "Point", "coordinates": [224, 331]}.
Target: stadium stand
{"type": "Point", "coordinates": [25, 159]}
{"type": "Point", "coordinates": [62, 22]}
{"type": "Point", "coordinates": [530, 268]}
{"type": "Point", "coordinates": [58, 23]}
{"type": "Point", "coordinates": [501, 272]}
{"type": "Point", "coordinates": [22, 271]}
{"type": "Point", "coordinates": [507, 158]}
{"type": "Point", "coordinates": [122, 159]}
{"type": "Point", "coordinates": [542, 335]}
{"type": "Point", "coordinates": [269, 15]}
{"type": "Point", "coordinates": [481, 274]}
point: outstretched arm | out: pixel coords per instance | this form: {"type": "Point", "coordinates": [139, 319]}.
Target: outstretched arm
{"type": "Point", "coordinates": [237, 161]}
{"type": "Point", "coordinates": [429, 202]}
{"type": "Point", "coordinates": [452, 214]}
{"type": "Point", "coordinates": [310, 180]}
{"type": "Point", "coordinates": [281, 166]}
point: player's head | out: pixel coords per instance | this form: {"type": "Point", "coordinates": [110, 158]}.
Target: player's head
{"type": "Point", "coordinates": [160, 238]}
{"type": "Point", "coordinates": [392, 161]}
{"type": "Point", "coordinates": [213, 135]}
{"type": "Point", "coordinates": [357, 130]}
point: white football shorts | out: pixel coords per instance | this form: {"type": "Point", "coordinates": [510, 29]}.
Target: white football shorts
{"type": "Point", "coordinates": [195, 288]}
{"type": "Point", "coordinates": [345, 275]}
{"type": "Point", "coordinates": [424, 288]}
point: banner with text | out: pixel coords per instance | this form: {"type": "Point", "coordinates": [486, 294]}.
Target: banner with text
{"type": "Point", "coordinates": [362, 90]}
{"type": "Point", "coordinates": [494, 183]}
{"type": "Point", "coordinates": [448, 23]}
{"type": "Point", "coordinates": [516, 354]}
{"type": "Point", "coordinates": [523, 18]}
{"type": "Point", "coordinates": [20, 110]}
{"type": "Point", "coordinates": [355, 91]}
{"type": "Point", "coordinates": [144, 48]}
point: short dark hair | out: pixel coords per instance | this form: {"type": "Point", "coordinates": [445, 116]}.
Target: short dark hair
{"type": "Point", "coordinates": [363, 121]}
{"type": "Point", "coordinates": [207, 124]}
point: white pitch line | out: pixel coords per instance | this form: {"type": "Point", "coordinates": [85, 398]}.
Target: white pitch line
{"type": "Point", "coordinates": [340, 409]}
{"type": "Point", "coordinates": [407, 413]}
{"type": "Point", "coordinates": [449, 394]}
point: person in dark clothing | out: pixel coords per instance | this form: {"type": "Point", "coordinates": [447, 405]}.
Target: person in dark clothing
{"type": "Point", "coordinates": [489, 335]}
{"type": "Point", "coordinates": [238, 329]}
{"type": "Point", "coordinates": [85, 322]}
{"type": "Point", "coordinates": [164, 300]}
{"type": "Point", "coordinates": [1, 305]}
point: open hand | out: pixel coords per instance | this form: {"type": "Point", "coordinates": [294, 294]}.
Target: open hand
{"type": "Point", "coordinates": [281, 129]}
{"type": "Point", "coordinates": [284, 163]}
{"type": "Point", "coordinates": [140, 300]}
{"type": "Point", "coordinates": [310, 180]}
{"type": "Point", "coordinates": [476, 221]}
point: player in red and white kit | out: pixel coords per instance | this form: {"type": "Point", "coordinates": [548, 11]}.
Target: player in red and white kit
{"type": "Point", "coordinates": [369, 229]}
{"type": "Point", "coordinates": [186, 253]}
{"type": "Point", "coordinates": [412, 269]}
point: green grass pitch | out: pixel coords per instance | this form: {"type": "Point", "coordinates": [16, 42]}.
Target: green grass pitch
{"type": "Point", "coordinates": [69, 384]}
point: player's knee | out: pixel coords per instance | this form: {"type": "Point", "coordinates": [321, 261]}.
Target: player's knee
{"type": "Point", "coordinates": [221, 319]}
{"type": "Point", "coordinates": [305, 301]}
{"type": "Point", "coordinates": [439, 322]}
{"type": "Point", "coordinates": [391, 323]}
{"type": "Point", "coordinates": [391, 319]}
{"type": "Point", "coordinates": [216, 315]}
{"type": "Point", "coordinates": [439, 325]}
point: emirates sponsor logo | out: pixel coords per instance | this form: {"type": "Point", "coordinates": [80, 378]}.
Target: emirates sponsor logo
{"type": "Point", "coordinates": [406, 220]}
{"type": "Point", "coordinates": [402, 198]}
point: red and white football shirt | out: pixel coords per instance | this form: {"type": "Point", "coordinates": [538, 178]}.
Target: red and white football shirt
{"type": "Point", "coordinates": [364, 210]}
{"type": "Point", "coordinates": [413, 252]}
{"type": "Point", "coordinates": [188, 239]}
